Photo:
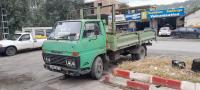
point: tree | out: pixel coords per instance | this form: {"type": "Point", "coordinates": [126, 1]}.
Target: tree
{"type": "Point", "coordinates": [34, 13]}
{"type": "Point", "coordinates": [60, 9]}
{"type": "Point", "coordinates": [17, 13]}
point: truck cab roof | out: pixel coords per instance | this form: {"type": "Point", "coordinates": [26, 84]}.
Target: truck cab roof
{"type": "Point", "coordinates": [80, 20]}
{"type": "Point", "coordinates": [22, 33]}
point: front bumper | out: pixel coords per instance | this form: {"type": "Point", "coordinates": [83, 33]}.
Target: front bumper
{"type": "Point", "coordinates": [71, 72]}
{"type": "Point", "coordinates": [165, 34]}
{"type": "Point", "coordinates": [60, 62]}
{"type": "Point", "coordinates": [2, 49]}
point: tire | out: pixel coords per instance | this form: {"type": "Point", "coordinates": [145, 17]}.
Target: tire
{"type": "Point", "coordinates": [142, 52]}
{"type": "Point", "coordinates": [196, 65]}
{"type": "Point", "coordinates": [10, 51]}
{"type": "Point", "coordinates": [97, 69]}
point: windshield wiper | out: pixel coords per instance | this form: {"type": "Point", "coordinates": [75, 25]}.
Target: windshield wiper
{"type": "Point", "coordinates": [70, 36]}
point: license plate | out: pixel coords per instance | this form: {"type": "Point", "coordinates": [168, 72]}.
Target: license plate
{"type": "Point", "coordinates": [55, 67]}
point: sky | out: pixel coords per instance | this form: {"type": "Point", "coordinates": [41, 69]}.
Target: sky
{"type": "Point", "coordinates": [148, 2]}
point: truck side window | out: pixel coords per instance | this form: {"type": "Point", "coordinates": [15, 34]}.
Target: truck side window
{"type": "Point", "coordinates": [25, 37]}
{"type": "Point", "coordinates": [91, 29]}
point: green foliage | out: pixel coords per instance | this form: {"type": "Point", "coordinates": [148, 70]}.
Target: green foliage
{"type": "Point", "coordinates": [29, 13]}
{"type": "Point", "coordinates": [17, 12]}
{"type": "Point", "coordinates": [56, 11]}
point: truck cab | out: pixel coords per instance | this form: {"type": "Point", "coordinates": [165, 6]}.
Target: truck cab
{"type": "Point", "coordinates": [76, 47]}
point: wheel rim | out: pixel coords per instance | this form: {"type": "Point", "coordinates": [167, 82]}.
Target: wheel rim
{"type": "Point", "coordinates": [99, 68]}
{"type": "Point", "coordinates": [10, 51]}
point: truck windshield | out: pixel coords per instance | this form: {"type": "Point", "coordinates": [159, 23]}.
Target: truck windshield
{"type": "Point", "coordinates": [13, 36]}
{"type": "Point", "coordinates": [66, 31]}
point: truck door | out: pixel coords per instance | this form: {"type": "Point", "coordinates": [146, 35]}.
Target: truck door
{"type": "Point", "coordinates": [25, 42]}
{"type": "Point", "coordinates": [93, 42]}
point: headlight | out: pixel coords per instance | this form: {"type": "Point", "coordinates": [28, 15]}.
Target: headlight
{"type": "Point", "coordinates": [70, 63]}
{"type": "Point", "coordinates": [47, 59]}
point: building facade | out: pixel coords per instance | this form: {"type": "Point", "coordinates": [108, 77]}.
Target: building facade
{"type": "Point", "coordinates": [105, 10]}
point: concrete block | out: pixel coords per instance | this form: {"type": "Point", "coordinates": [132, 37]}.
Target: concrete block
{"type": "Point", "coordinates": [121, 73]}
{"type": "Point", "coordinates": [140, 77]}
{"type": "Point", "coordinates": [176, 84]}
{"type": "Point", "coordinates": [154, 87]}
{"type": "Point", "coordinates": [197, 86]}
{"type": "Point", "coordinates": [138, 85]}
{"type": "Point", "coordinates": [185, 85]}
{"type": "Point", "coordinates": [118, 80]}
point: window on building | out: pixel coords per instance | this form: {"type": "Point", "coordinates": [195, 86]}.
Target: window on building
{"type": "Point", "coordinates": [91, 10]}
{"type": "Point", "coordinates": [99, 4]}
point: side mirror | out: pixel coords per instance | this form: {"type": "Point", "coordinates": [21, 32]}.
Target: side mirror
{"type": "Point", "coordinates": [96, 33]}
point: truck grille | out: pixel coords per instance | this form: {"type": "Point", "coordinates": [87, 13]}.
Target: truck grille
{"type": "Point", "coordinates": [60, 60]}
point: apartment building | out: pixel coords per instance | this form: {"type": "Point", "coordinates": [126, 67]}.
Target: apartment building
{"type": "Point", "coordinates": [105, 10]}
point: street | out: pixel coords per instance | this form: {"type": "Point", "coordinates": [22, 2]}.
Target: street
{"type": "Point", "coordinates": [175, 48]}
{"type": "Point", "coordinates": [25, 71]}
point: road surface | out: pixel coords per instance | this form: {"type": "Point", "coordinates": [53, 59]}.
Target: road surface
{"type": "Point", "coordinates": [175, 48]}
{"type": "Point", "coordinates": [25, 72]}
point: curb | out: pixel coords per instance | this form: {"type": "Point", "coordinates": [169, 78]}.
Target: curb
{"type": "Point", "coordinates": [131, 84]}
{"type": "Point", "coordinates": [126, 82]}
{"type": "Point", "coordinates": [145, 81]}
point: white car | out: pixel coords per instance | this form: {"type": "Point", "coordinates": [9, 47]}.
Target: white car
{"type": "Point", "coordinates": [164, 31]}
{"type": "Point", "coordinates": [19, 41]}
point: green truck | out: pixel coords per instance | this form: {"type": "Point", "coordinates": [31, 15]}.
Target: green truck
{"type": "Point", "coordinates": [78, 47]}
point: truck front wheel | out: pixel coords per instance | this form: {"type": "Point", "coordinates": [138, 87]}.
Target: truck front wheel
{"type": "Point", "coordinates": [97, 68]}
{"type": "Point", "coordinates": [142, 51]}
{"type": "Point", "coordinates": [10, 51]}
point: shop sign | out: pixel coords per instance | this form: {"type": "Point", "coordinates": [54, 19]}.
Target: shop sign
{"type": "Point", "coordinates": [166, 13]}
{"type": "Point", "coordinates": [118, 18]}
{"type": "Point", "coordinates": [134, 17]}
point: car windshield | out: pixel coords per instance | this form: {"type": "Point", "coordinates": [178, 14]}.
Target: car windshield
{"type": "Point", "coordinates": [13, 36]}
{"type": "Point", "coordinates": [66, 31]}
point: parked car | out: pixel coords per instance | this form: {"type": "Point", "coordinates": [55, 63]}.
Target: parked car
{"type": "Point", "coordinates": [164, 31]}
{"type": "Point", "coordinates": [186, 32]}
{"type": "Point", "coordinates": [19, 41]}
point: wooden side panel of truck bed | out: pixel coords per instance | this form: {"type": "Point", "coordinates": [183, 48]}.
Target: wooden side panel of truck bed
{"type": "Point", "coordinates": [127, 39]}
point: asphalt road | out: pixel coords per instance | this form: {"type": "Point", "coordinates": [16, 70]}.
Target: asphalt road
{"type": "Point", "coordinates": [175, 48]}
{"type": "Point", "coordinates": [25, 71]}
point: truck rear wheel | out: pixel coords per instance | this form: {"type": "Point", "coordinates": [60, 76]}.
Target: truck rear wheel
{"type": "Point", "coordinates": [97, 69]}
{"type": "Point", "coordinates": [10, 51]}
{"type": "Point", "coordinates": [140, 54]}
